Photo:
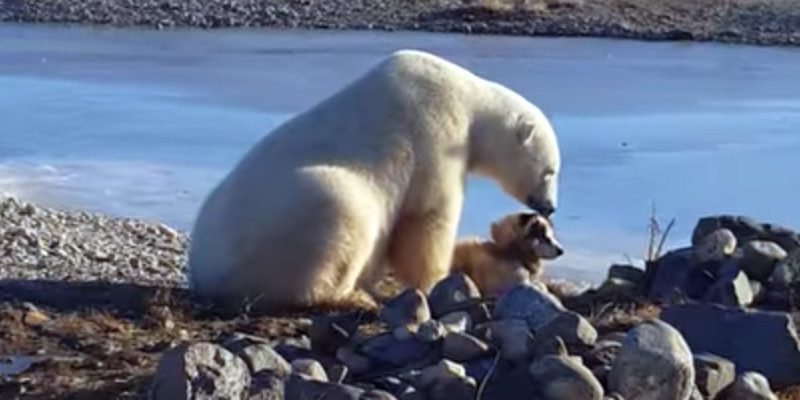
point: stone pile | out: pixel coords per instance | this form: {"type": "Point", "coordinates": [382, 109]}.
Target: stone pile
{"type": "Point", "coordinates": [455, 344]}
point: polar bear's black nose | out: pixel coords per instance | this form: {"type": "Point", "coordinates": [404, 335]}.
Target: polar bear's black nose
{"type": "Point", "coordinates": [546, 210]}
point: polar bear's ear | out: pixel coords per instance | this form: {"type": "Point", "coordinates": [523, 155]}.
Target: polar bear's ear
{"type": "Point", "coordinates": [526, 131]}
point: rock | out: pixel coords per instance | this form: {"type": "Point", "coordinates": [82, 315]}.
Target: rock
{"type": "Point", "coordinates": [478, 368]}
{"type": "Point", "coordinates": [748, 386]}
{"type": "Point", "coordinates": [298, 388]}
{"type": "Point", "coordinates": [337, 373]}
{"type": "Point", "coordinates": [451, 293]}
{"type": "Point", "coordinates": [457, 388]}
{"type": "Point", "coordinates": [200, 371]}
{"type": "Point", "coordinates": [654, 363]}
{"type": "Point", "coordinates": [265, 385]}
{"type": "Point", "coordinates": [328, 333]}
{"type": "Point", "coordinates": [732, 288]}
{"type": "Point", "coordinates": [462, 347]}
{"type": "Point", "coordinates": [753, 340]}
{"type": "Point", "coordinates": [376, 395]}
{"type": "Point", "coordinates": [759, 291]}
{"type": "Point", "coordinates": [712, 374]}
{"type": "Point", "coordinates": [743, 228]}
{"type": "Point", "coordinates": [458, 321]}
{"type": "Point", "coordinates": [526, 302]}
{"type": "Point", "coordinates": [564, 378]}
{"type": "Point", "coordinates": [259, 357]}
{"type": "Point", "coordinates": [397, 387]}
{"type": "Point", "coordinates": [310, 369]}
{"type": "Point", "coordinates": [512, 338]}
{"type": "Point", "coordinates": [573, 329]}
{"type": "Point", "coordinates": [441, 372]}
{"type": "Point", "coordinates": [676, 272]}
{"type": "Point", "coordinates": [746, 229]}
{"type": "Point", "coordinates": [760, 258]}
{"type": "Point", "coordinates": [408, 308]}
{"type": "Point", "coordinates": [603, 353]}
{"type": "Point", "coordinates": [716, 246]}
{"type": "Point", "coordinates": [356, 363]}
{"type": "Point", "coordinates": [386, 349]}
{"type": "Point", "coordinates": [627, 273]}
{"type": "Point", "coordinates": [431, 331]}
{"type": "Point", "coordinates": [787, 271]}
{"type": "Point", "coordinates": [548, 346]}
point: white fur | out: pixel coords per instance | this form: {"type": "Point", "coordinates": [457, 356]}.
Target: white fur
{"type": "Point", "coordinates": [372, 177]}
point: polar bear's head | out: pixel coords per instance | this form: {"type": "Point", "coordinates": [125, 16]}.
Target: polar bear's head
{"type": "Point", "coordinates": [521, 153]}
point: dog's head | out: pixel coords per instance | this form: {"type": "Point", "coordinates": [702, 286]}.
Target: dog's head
{"type": "Point", "coordinates": [529, 232]}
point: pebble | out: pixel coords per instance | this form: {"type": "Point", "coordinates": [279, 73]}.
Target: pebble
{"type": "Point", "coordinates": [310, 369]}
{"type": "Point", "coordinates": [530, 304]}
{"type": "Point", "coordinates": [452, 293]}
{"type": "Point", "coordinates": [408, 308]}
{"type": "Point", "coordinates": [564, 378]}
{"type": "Point", "coordinates": [748, 386]}
{"type": "Point", "coordinates": [462, 347]}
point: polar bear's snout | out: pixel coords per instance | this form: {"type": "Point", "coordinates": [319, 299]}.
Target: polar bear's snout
{"type": "Point", "coordinates": [545, 208]}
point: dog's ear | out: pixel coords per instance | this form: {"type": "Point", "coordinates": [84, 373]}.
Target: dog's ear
{"type": "Point", "coordinates": [503, 234]}
{"type": "Point", "coordinates": [525, 218]}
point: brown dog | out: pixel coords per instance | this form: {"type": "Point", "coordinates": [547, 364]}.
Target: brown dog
{"type": "Point", "coordinates": [519, 243]}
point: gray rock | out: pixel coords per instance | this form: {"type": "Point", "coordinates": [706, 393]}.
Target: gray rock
{"type": "Point", "coordinates": [376, 394]}
{"type": "Point", "coordinates": [564, 378]}
{"type": "Point", "coordinates": [627, 273]}
{"type": "Point", "coordinates": [603, 353]}
{"type": "Point", "coordinates": [408, 308]}
{"type": "Point", "coordinates": [200, 371]}
{"type": "Point", "coordinates": [337, 373]}
{"type": "Point", "coordinates": [431, 331]}
{"type": "Point", "coordinates": [748, 386]}
{"type": "Point", "coordinates": [753, 340]}
{"type": "Point", "coordinates": [386, 349]}
{"type": "Point", "coordinates": [528, 303]}
{"type": "Point", "coordinates": [712, 374]}
{"type": "Point", "coordinates": [259, 357]}
{"type": "Point", "coordinates": [458, 321]}
{"type": "Point", "coordinates": [654, 363]}
{"type": "Point", "coordinates": [265, 385]}
{"type": "Point", "coordinates": [310, 369]}
{"type": "Point", "coordinates": [732, 288]}
{"type": "Point", "coordinates": [759, 291]}
{"type": "Point", "coordinates": [462, 347]}
{"type": "Point", "coordinates": [676, 272]}
{"type": "Point", "coordinates": [328, 333]}
{"type": "Point", "coordinates": [356, 363]}
{"type": "Point", "coordinates": [440, 372]}
{"type": "Point", "coordinates": [453, 294]}
{"type": "Point", "coordinates": [747, 229]}
{"type": "Point", "coordinates": [760, 257]}
{"type": "Point", "coordinates": [576, 332]}
{"type": "Point", "coordinates": [298, 388]}
{"type": "Point", "coordinates": [457, 388]}
{"type": "Point", "coordinates": [716, 246]}
{"type": "Point", "coordinates": [787, 271]}
{"type": "Point", "coordinates": [548, 346]}
{"type": "Point", "coordinates": [512, 337]}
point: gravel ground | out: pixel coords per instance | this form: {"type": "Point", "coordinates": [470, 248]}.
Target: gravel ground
{"type": "Point", "coordinates": [42, 244]}
{"type": "Point", "coordinates": [769, 22]}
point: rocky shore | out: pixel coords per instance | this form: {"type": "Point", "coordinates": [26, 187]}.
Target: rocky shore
{"type": "Point", "coordinates": [93, 307]}
{"type": "Point", "coordinates": [767, 22]}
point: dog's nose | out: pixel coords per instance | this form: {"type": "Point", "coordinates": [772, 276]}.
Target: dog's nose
{"type": "Point", "coordinates": [559, 252]}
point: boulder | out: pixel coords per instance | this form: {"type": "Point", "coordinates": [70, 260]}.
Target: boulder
{"type": "Point", "coordinates": [712, 374]}
{"type": "Point", "coordinates": [512, 337]}
{"type": "Point", "coordinates": [746, 229]}
{"type": "Point", "coordinates": [628, 273]}
{"type": "Point", "coordinates": [388, 350]}
{"type": "Point", "coordinates": [654, 363]}
{"type": "Point", "coordinates": [431, 331]}
{"type": "Point", "coordinates": [530, 304]}
{"type": "Point", "coordinates": [787, 271]}
{"type": "Point", "coordinates": [462, 347]}
{"type": "Point", "coordinates": [298, 388]}
{"type": "Point", "coordinates": [200, 371]}
{"type": "Point", "coordinates": [676, 272]}
{"type": "Point", "coordinates": [265, 385]}
{"type": "Point", "coordinates": [329, 332]}
{"type": "Point", "coordinates": [748, 386]}
{"type": "Point", "coordinates": [458, 321]}
{"type": "Point", "coordinates": [564, 378]}
{"type": "Point", "coordinates": [576, 332]}
{"type": "Point", "coordinates": [732, 288]}
{"type": "Point", "coordinates": [760, 258]}
{"type": "Point", "coordinates": [310, 369]}
{"type": "Point", "coordinates": [453, 294]}
{"type": "Point", "coordinates": [761, 341]}
{"type": "Point", "coordinates": [716, 246]}
{"type": "Point", "coordinates": [408, 308]}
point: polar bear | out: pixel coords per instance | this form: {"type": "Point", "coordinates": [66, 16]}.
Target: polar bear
{"type": "Point", "coordinates": [369, 180]}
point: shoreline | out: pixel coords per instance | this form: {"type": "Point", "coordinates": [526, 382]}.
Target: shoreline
{"type": "Point", "coordinates": [756, 22]}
